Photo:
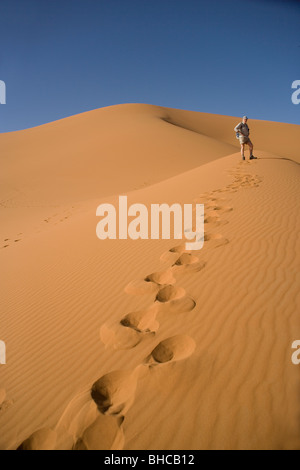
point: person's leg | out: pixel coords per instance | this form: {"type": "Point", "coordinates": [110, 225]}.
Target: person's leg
{"type": "Point", "coordinates": [250, 148]}
{"type": "Point", "coordinates": [242, 151]}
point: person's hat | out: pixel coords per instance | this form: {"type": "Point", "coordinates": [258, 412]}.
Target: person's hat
{"type": "Point", "coordinates": [245, 117]}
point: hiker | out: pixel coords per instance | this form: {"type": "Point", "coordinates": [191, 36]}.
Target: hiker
{"type": "Point", "coordinates": [242, 133]}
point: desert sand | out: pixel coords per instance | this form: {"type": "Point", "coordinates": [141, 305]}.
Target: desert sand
{"type": "Point", "coordinates": [140, 344]}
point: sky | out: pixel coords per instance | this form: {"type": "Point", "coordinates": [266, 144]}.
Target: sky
{"type": "Point", "coordinates": [64, 57]}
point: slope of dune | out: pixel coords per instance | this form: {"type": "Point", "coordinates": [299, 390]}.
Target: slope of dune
{"type": "Point", "coordinates": [120, 148]}
{"type": "Point", "coordinates": [193, 349]}
{"type": "Point", "coordinates": [101, 152]}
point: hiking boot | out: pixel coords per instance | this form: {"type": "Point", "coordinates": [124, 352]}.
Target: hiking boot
{"type": "Point", "coordinates": [243, 158]}
{"type": "Point", "coordinates": [253, 157]}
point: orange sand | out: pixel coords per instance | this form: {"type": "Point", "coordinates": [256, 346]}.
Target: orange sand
{"type": "Point", "coordinates": [198, 355]}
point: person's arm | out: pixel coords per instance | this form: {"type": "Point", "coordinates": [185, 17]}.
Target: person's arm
{"type": "Point", "coordinates": [238, 127]}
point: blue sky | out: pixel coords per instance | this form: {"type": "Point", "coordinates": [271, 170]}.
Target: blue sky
{"type": "Point", "coordinates": [233, 57]}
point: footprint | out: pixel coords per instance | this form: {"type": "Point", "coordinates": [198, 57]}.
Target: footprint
{"type": "Point", "coordinates": [190, 262]}
{"type": "Point", "coordinates": [172, 349]}
{"type": "Point", "coordinates": [222, 190]}
{"type": "Point", "coordinates": [43, 439]}
{"type": "Point", "coordinates": [212, 236]}
{"type": "Point", "coordinates": [114, 392]}
{"type": "Point", "coordinates": [215, 240]}
{"type": "Point", "coordinates": [143, 321]}
{"type": "Point", "coordinates": [186, 259]}
{"type": "Point", "coordinates": [172, 254]}
{"type": "Point", "coordinates": [185, 304]}
{"type": "Point", "coordinates": [79, 414]}
{"type": "Point", "coordinates": [216, 199]}
{"type": "Point", "coordinates": [162, 277]}
{"type": "Point", "coordinates": [174, 300]}
{"type": "Point", "coordinates": [220, 208]}
{"type": "Point", "coordinates": [141, 287]}
{"type": "Point", "coordinates": [178, 248]}
{"type": "Point", "coordinates": [103, 434]}
{"type": "Point", "coordinates": [212, 218]}
{"type": "Point", "coordinates": [6, 405]}
{"type": "Point", "coordinates": [225, 209]}
{"type": "Point", "coordinates": [209, 219]}
{"type": "Point", "coordinates": [114, 335]}
{"type": "Point", "coordinates": [168, 293]}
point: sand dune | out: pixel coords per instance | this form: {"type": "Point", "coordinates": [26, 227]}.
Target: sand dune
{"type": "Point", "coordinates": [141, 344]}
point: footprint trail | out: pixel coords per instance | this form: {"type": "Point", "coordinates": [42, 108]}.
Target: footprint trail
{"type": "Point", "coordinates": [93, 420]}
